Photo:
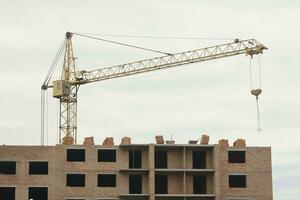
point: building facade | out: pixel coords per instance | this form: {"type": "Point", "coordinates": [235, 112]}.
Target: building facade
{"type": "Point", "coordinates": [136, 171]}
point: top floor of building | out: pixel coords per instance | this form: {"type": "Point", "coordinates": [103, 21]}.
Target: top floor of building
{"type": "Point", "coordinates": [161, 156]}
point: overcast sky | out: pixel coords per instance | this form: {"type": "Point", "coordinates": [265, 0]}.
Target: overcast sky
{"type": "Point", "coordinates": [211, 97]}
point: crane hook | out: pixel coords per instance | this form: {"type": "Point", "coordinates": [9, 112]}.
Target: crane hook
{"type": "Point", "coordinates": [256, 92]}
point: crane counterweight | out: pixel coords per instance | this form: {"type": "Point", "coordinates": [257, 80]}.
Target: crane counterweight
{"type": "Point", "coordinates": [61, 88]}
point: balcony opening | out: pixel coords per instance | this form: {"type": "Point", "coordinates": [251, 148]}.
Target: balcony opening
{"type": "Point", "coordinates": [236, 156]}
{"type": "Point", "coordinates": [7, 167]}
{"type": "Point", "coordinates": [161, 184]}
{"type": "Point", "coordinates": [38, 193]}
{"type": "Point", "coordinates": [106, 155]}
{"type": "Point", "coordinates": [75, 180]}
{"type": "Point", "coordinates": [135, 184]}
{"type": "Point", "coordinates": [199, 159]}
{"type": "Point", "coordinates": [199, 184]}
{"type": "Point", "coordinates": [7, 193]}
{"type": "Point", "coordinates": [135, 159]}
{"type": "Point", "coordinates": [237, 181]}
{"type": "Point", "coordinates": [106, 180]}
{"type": "Point", "coordinates": [76, 155]}
{"type": "Point", "coordinates": [38, 167]}
{"type": "Point", "coordinates": [161, 159]}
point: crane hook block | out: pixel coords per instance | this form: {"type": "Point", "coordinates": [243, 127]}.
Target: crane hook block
{"type": "Point", "coordinates": [256, 92]}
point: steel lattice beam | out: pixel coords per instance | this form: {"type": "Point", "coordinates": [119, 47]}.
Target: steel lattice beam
{"type": "Point", "coordinates": [248, 47]}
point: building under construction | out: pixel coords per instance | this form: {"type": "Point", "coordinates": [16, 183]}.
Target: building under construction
{"type": "Point", "coordinates": [161, 171]}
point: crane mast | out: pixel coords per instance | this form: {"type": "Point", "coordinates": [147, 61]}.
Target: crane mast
{"type": "Point", "coordinates": [68, 102]}
{"type": "Point", "coordinates": [66, 89]}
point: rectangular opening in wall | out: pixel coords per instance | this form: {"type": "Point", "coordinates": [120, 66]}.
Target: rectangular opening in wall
{"type": "Point", "coordinates": [199, 159]}
{"type": "Point", "coordinates": [161, 184]}
{"type": "Point", "coordinates": [76, 155]}
{"type": "Point", "coordinates": [161, 159]}
{"type": "Point", "coordinates": [199, 184]}
{"type": "Point", "coordinates": [135, 184]}
{"type": "Point", "coordinates": [75, 180]}
{"type": "Point", "coordinates": [135, 159]}
{"type": "Point", "coordinates": [7, 193]}
{"type": "Point", "coordinates": [106, 155]}
{"type": "Point", "coordinates": [38, 193]}
{"type": "Point", "coordinates": [7, 167]}
{"type": "Point", "coordinates": [237, 181]}
{"type": "Point", "coordinates": [236, 156]}
{"type": "Point", "coordinates": [38, 167]}
{"type": "Point", "coordinates": [106, 180]}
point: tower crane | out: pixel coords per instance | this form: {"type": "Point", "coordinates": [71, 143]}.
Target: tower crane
{"type": "Point", "coordinates": [66, 88]}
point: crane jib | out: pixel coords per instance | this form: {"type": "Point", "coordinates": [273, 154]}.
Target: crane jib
{"type": "Point", "coordinates": [169, 61]}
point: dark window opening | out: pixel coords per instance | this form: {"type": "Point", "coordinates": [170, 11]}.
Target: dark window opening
{"type": "Point", "coordinates": [135, 184]}
{"type": "Point", "coordinates": [76, 155]}
{"type": "Point", "coordinates": [76, 180]}
{"type": "Point", "coordinates": [237, 181]}
{"type": "Point", "coordinates": [199, 159]}
{"type": "Point", "coordinates": [38, 167]}
{"type": "Point", "coordinates": [106, 155]}
{"type": "Point", "coordinates": [7, 193]}
{"type": "Point", "coordinates": [106, 180]}
{"type": "Point", "coordinates": [199, 184]}
{"type": "Point", "coordinates": [161, 184]}
{"type": "Point", "coordinates": [7, 167]}
{"type": "Point", "coordinates": [38, 193]}
{"type": "Point", "coordinates": [161, 159]}
{"type": "Point", "coordinates": [236, 156]}
{"type": "Point", "coordinates": [135, 159]}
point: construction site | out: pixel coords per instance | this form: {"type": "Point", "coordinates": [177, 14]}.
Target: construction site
{"type": "Point", "coordinates": [149, 100]}
{"type": "Point", "coordinates": [166, 169]}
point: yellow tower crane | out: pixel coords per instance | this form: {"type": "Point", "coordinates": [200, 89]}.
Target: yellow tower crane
{"type": "Point", "coordinates": [66, 89]}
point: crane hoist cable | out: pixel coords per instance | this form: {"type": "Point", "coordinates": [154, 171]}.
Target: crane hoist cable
{"type": "Point", "coordinates": [54, 63]}
{"type": "Point", "coordinates": [122, 44]}
{"type": "Point", "coordinates": [256, 91]}
{"type": "Point", "coordinates": [44, 92]}
{"type": "Point", "coordinates": [158, 37]}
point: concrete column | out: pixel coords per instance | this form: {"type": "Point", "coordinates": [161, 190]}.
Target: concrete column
{"type": "Point", "coordinates": [216, 167]}
{"type": "Point", "coordinates": [151, 177]}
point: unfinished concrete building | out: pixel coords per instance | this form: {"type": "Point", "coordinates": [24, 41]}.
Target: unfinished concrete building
{"type": "Point", "coordinates": [161, 171]}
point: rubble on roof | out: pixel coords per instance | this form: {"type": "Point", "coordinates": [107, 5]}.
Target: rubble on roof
{"type": "Point", "coordinates": [192, 141]}
{"type": "Point", "coordinates": [108, 142]}
{"type": "Point", "coordinates": [204, 139]}
{"type": "Point", "coordinates": [126, 140]}
{"type": "Point", "coordinates": [170, 141]}
{"type": "Point", "coordinates": [223, 143]}
{"type": "Point", "coordinates": [68, 140]}
{"type": "Point", "coordinates": [159, 139]}
{"type": "Point", "coordinates": [239, 143]}
{"type": "Point", "coordinates": [89, 141]}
